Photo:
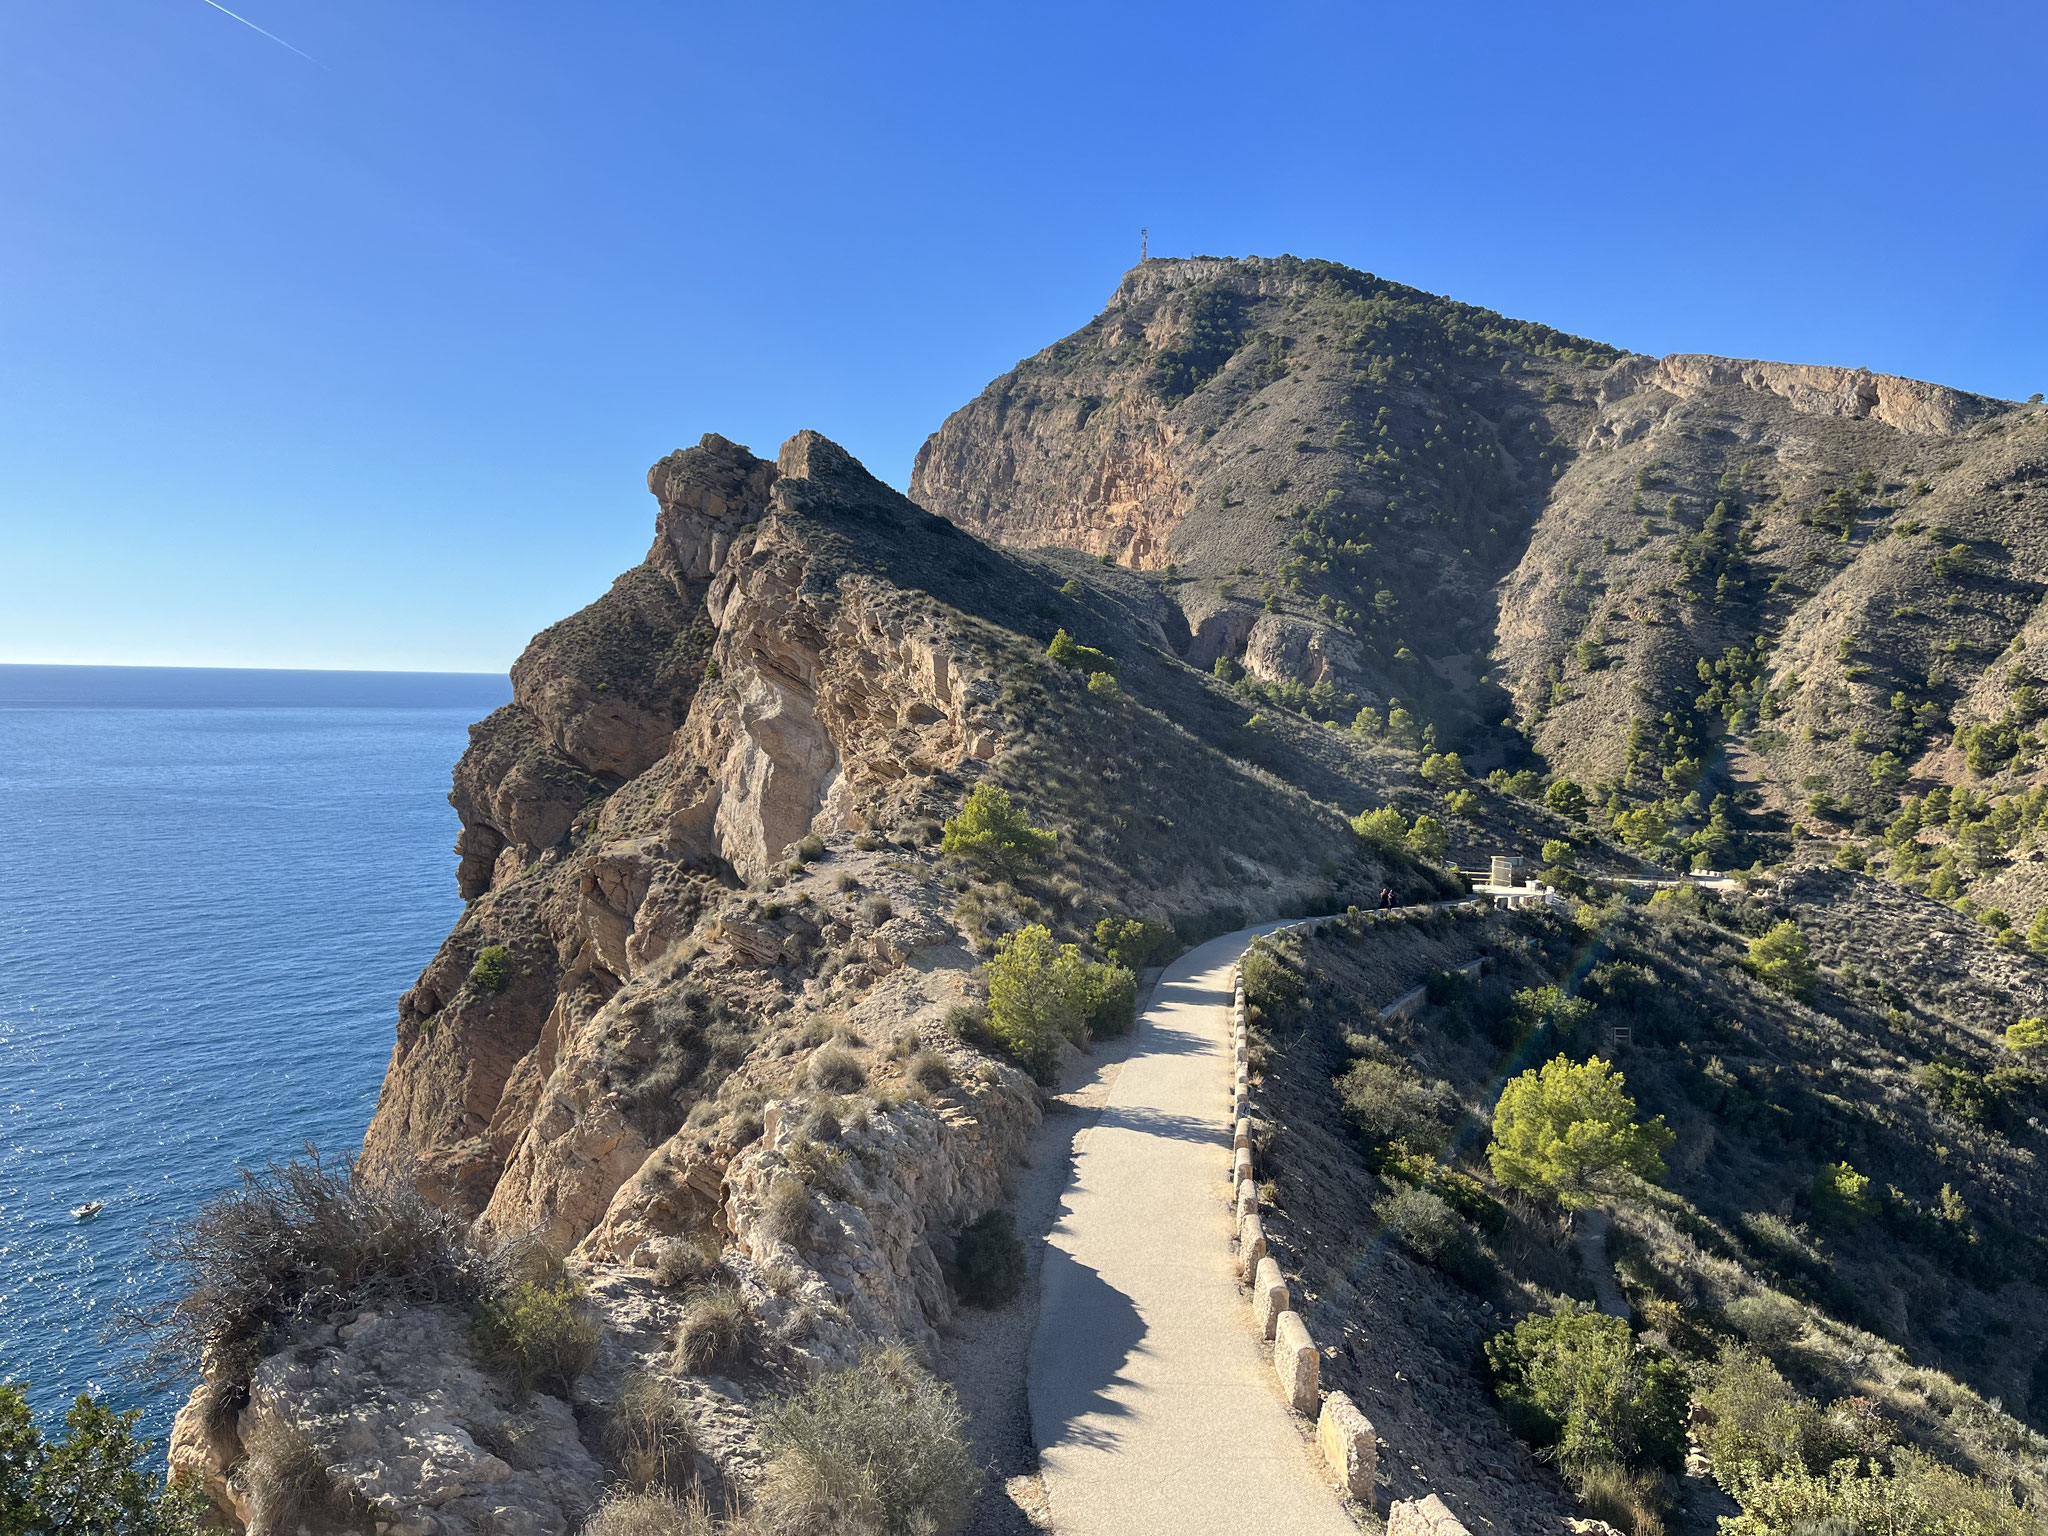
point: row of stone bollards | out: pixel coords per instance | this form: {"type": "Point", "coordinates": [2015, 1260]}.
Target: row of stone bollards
{"type": "Point", "coordinates": [1344, 1435]}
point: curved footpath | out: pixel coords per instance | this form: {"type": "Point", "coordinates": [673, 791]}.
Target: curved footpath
{"type": "Point", "coordinates": [1153, 1400]}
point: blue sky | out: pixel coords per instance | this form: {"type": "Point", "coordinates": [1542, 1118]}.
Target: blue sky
{"type": "Point", "coordinates": [361, 362]}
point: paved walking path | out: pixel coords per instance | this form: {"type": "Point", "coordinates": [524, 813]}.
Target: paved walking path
{"type": "Point", "coordinates": [1153, 1402]}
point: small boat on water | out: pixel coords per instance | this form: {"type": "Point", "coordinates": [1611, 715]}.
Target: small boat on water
{"type": "Point", "coordinates": [87, 1211]}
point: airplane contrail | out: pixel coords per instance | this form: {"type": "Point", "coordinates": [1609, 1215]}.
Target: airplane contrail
{"type": "Point", "coordinates": [245, 21]}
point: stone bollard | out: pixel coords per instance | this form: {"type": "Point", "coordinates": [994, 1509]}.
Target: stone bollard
{"type": "Point", "coordinates": [1247, 1199]}
{"type": "Point", "coordinates": [1242, 1165]}
{"type": "Point", "coordinates": [1423, 1517]}
{"type": "Point", "coordinates": [1269, 1296]}
{"type": "Point", "coordinates": [1251, 1245]}
{"type": "Point", "coordinates": [1296, 1362]}
{"type": "Point", "coordinates": [1243, 1137]}
{"type": "Point", "coordinates": [1349, 1446]}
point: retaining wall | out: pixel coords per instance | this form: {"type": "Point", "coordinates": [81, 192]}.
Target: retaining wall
{"type": "Point", "coordinates": [1344, 1435]}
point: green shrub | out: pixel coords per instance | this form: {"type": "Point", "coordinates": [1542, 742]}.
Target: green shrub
{"type": "Point", "coordinates": [1102, 684]}
{"type": "Point", "coordinates": [1578, 1381]}
{"type": "Point", "coordinates": [716, 1330]}
{"type": "Point", "coordinates": [1131, 942]}
{"type": "Point", "coordinates": [994, 833]}
{"type": "Point", "coordinates": [2028, 1034]}
{"type": "Point", "coordinates": [493, 968]}
{"type": "Point", "coordinates": [1748, 1415]}
{"type": "Point", "coordinates": [1841, 1196]}
{"type": "Point", "coordinates": [649, 1436]}
{"type": "Point", "coordinates": [92, 1480]}
{"type": "Point", "coordinates": [1113, 1002]}
{"type": "Point", "coordinates": [1273, 984]}
{"type": "Point", "coordinates": [1070, 653]}
{"type": "Point", "coordinates": [1385, 1102]}
{"type": "Point", "coordinates": [988, 1261]}
{"type": "Point", "coordinates": [836, 1070]}
{"type": "Point", "coordinates": [1460, 1191]}
{"type": "Point", "coordinates": [1428, 1228]}
{"type": "Point", "coordinates": [537, 1330]}
{"type": "Point", "coordinates": [811, 848]}
{"type": "Point", "coordinates": [300, 1241]}
{"type": "Point", "coordinates": [1915, 1497]}
{"type": "Point", "coordinates": [1568, 1131]}
{"type": "Point", "coordinates": [1041, 993]}
{"type": "Point", "coordinates": [1780, 959]}
{"type": "Point", "coordinates": [881, 1446]}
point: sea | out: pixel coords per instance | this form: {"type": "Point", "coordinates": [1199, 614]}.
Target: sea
{"type": "Point", "coordinates": [214, 884]}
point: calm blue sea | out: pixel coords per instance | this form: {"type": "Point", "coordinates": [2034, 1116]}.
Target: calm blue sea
{"type": "Point", "coordinates": [213, 887]}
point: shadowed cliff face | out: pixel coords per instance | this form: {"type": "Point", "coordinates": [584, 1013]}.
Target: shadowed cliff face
{"type": "Point", "coordinates": [1398, 496]}
{"type": "Point", "coordinates": [665, 747]}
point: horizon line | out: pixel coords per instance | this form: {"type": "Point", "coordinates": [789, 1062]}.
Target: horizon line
{"type": "Point", "coordinates": [179, 666]}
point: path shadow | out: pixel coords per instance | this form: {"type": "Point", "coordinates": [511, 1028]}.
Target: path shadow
{"type": "Point", "coordinates": [1152, 1122]}
{"type": "Point", "coordinates": [1087, 1330]}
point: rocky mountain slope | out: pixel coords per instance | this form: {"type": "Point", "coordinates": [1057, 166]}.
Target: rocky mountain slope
{"type": "Point", "coordinates": [1667, 577]}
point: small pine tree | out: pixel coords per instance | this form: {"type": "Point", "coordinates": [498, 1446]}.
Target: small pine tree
{"type": "Point", "coordinates": [1781, 959]}
{"type": "Point", "coordinates": [1427, 839]}
{"type": "Point", "coordinates": [993, 832]}
{"type": "Point", "coordinates": [1385, 829]}
{"type": "Point", "coordinates": [1567, 1130]}
{"type": "Point", "coordinates": [91, 1480]}
{"type": "Point", "coordinates": [2037, 933]}
{"type": "Point", "coordinates": [2029, 1034]}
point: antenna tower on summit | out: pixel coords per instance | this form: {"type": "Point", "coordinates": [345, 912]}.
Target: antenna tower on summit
{"type": "Point", "coordinates": [1144, 244]}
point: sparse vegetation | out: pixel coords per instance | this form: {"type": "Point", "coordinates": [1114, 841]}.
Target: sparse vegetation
{"type": "Point", "coordinates": [989, 1260]}
{"type": "Point", "coordinates": [536, 1328]}
{"type": "Point", "coordinates": [880, 1445]}
{"type": "Point", "coordinates": [717, 1331]}
{"type": "Point", "coordinates": [493, 968]}
{"type": "Point", "coordinates": [301, 1241]}
{"type": "Point", "coordinates": [290, 1487]}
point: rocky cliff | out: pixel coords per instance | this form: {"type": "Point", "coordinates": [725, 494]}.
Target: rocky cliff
{"type": "Point", "coordinates": [708, 936]}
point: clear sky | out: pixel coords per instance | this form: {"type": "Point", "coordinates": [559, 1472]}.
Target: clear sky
{"type": "Point", "coordinates": [352, 349]}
